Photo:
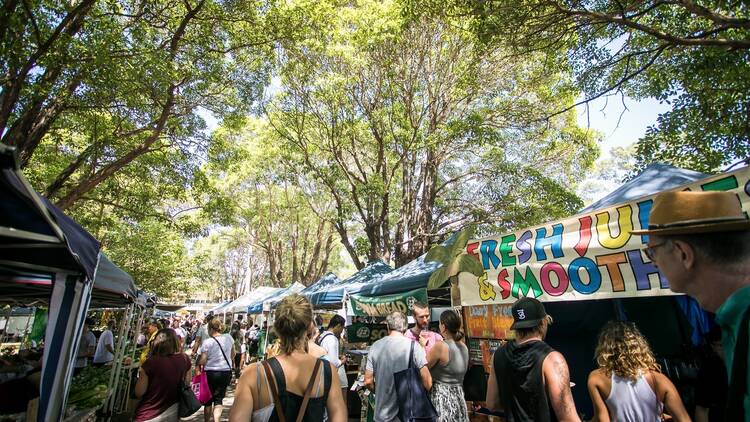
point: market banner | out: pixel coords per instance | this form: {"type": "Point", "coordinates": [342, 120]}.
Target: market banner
{"type": "Point", "coordinates": [587, 256]}
{"type": "Point", "coordinates": [365, 333]}
{"type": "Point", "coordinates": [384, 305]}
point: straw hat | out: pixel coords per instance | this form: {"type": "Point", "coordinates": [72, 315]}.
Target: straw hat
{"type": "Point", "coordinates": [695, 212]}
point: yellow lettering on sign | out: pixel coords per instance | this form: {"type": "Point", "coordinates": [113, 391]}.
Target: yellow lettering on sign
{"type": "Point", "coordinates": [624, 226]}
{"type": "Point", "coordinates": [486, 292]}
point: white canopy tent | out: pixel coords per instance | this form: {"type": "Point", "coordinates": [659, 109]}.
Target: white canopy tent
{"type": "Point", "coordinates": [241, 303]}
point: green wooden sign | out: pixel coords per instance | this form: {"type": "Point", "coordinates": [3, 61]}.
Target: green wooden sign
{"type": "Point", "coordinates": [384, 305]}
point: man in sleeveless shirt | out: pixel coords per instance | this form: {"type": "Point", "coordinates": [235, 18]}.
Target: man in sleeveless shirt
{"type": "Point", "coordinates": [700, 241]}
{"type": "Point", "coordinates": [529, 380]}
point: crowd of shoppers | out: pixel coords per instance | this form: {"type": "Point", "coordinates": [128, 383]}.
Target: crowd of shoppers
{"type": "Point", "coordinates": [294, 382]}
{"type": "Point", "coordinates": [700, 242]}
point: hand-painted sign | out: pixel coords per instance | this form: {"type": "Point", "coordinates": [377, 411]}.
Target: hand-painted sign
{"type": "Point", "coordinates": [365, 333]}
{"type": "Point", "coordinates": [488, 321]}
{"type": "Point", "coordinates": [587, 256]}
{"type": "Point", "coordinates": [384, 305]}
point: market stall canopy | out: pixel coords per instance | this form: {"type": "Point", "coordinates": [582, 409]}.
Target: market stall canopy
{"type": "Point", "coordinates": [333, 296]}
{"type": "Point", "coordinates": [214, 310]}
{"type": "Point", "coordinates": [322, 284]}
{"type": "Point", "coordinates": [591, 255]}
{"type": "Point", "coordinates": [275, 298]}
{"type": "Point", "coordinates": [36, 235]}
{"type": "Point", "coordinates": [241, 303]}
{"type": "Point", "coordinates": [655, 178]}
{"type": "Point", "coordinates": [113, 287]}
{"type": "Point", "coordinates": [411, 276]}
{"type": "Point", "coordinates": [167, 307]}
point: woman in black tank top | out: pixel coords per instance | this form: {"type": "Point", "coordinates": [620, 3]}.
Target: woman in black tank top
{"type": "Point", "coordinates": [294, 386]}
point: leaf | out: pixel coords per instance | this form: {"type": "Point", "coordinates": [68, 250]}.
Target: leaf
{"type": "Point", "coordinates": [437, 279]}
{"type": "Point", "coordinates": [438, 253]}
{"type": "Point", "coordinates": [461, 239]}
{"type": "Point", "coordinates": [470, 264]}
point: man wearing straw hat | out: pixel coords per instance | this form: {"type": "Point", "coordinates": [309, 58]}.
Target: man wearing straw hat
{"type": "Point", "coordinates": [700, 242]}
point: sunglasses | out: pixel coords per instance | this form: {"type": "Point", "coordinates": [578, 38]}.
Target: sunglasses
{"type": "Point", "coordinates": [651, 249]}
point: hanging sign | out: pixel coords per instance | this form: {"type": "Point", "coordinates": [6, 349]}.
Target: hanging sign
{"type": "Point", "coordinates": [384, 305]}
{"type": "Point", "coordinates": [365, 333]}
{"type": "Point", "coordinates": [488, 321]}
{"type": "Point", "coordinates": [587, 256]}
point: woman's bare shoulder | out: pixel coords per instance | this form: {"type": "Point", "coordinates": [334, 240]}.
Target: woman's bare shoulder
{"type": "Point", "coordinates": [316, 350]}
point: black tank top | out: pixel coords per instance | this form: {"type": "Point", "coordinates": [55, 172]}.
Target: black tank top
{"type": "Point", "coordinates": [518, 369]}
{"type": "Point", "coordinates": [291, 402]}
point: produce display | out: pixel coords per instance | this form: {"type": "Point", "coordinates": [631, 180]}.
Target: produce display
{"type": "Point", "coordinates": [89, 388]}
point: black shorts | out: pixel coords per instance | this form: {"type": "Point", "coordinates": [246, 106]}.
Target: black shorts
{"type": "Point", "coordinates": [218, 381]}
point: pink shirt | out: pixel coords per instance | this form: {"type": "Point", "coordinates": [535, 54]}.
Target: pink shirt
{"type": "Point", "coordinates": [431, 336]}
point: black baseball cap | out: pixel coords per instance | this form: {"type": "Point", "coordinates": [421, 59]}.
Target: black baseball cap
{"type": "Point", "coordinates": [527, 313]}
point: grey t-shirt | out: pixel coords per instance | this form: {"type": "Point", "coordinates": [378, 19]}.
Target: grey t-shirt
{"type": "Point", "coordinates": [388, 355]}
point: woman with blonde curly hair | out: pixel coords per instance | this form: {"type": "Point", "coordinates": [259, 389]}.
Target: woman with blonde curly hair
{"type": "Point", "coordinates": [294, 383]}
{"type": "Point", "coordinates": [628, 386]}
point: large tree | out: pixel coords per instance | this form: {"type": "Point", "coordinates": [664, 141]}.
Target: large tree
{"type": "Point", "coordinates": [693, 55]}
{"type": "Point", "coordinates": [288, 227]}
{"type": "Point", "coordinates": [126, 79]}
{"type": "Point", "coordinates": [416, 129]}
{"type": "Point", "coordinates": [103, 101]}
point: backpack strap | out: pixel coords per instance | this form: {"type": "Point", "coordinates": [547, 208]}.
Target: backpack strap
{"type": "Point", "coordinates": [411, 355]}
{"type": "Point", "coordinates": [327, 375]}
{"type": "Point", "coordinates": [274, 392]}
{"type": "Point", "coordinates": [319, 342]}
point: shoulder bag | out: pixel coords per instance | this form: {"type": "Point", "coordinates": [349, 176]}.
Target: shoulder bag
{"type": "Point", "coordinates": [187, 402]}
{"type": "Point", "coordinates": [414, 405]}
{"type": "Point", "coordinates": [275, 392]}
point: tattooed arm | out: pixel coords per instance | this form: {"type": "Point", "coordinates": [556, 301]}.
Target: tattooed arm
{"type": "Point", "coordinates": [557, 383]}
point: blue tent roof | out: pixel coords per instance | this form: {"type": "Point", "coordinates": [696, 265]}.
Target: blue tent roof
{"type": "Point", "coordinates": [655, 178]}
{"type": "Point", "coordinates": [50, 239]}
{"type": "Point", "coordinates": [334, 294]}
{"type": "Point", "coordinates": [322, 284]}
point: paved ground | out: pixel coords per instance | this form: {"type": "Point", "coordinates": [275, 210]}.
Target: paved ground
{"type": "Point", "coordinates": [228, 401]}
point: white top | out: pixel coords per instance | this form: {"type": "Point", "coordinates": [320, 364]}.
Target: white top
{"type": "Point", "coordinates": [88, 340]}
{"type": "Point", "coordinates": [102, 355]}
{"type": "Point", "coordinates": [202, 332]}
{"type": "Point", "coordinates": [216, 361]}
{"type": "Point", "coordinates": [633, 401]}
{"type": "Point", "coordinates": [331, 343]}
{"type": "Point", "coordinates": [180, 332]}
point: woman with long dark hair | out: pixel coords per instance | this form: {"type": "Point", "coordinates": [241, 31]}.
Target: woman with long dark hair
{"type": "Point", "coordinates": [290, 376]}
{"type": "Point", "coordinates": [159, 378]}
{"type": "Point", "coordinates": [628, 386]}
{"type": "Point", "coordinates": [448, 361]}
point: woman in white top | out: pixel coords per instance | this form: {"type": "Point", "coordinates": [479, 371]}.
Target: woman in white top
{"type": "Point", "coordinates": [216, 355]}
{"type": "Point", "coordinates": [628, 386]}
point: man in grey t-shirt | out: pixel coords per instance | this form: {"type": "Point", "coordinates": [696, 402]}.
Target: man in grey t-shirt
{"type": "Point", "coordinates": [388, 355]}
